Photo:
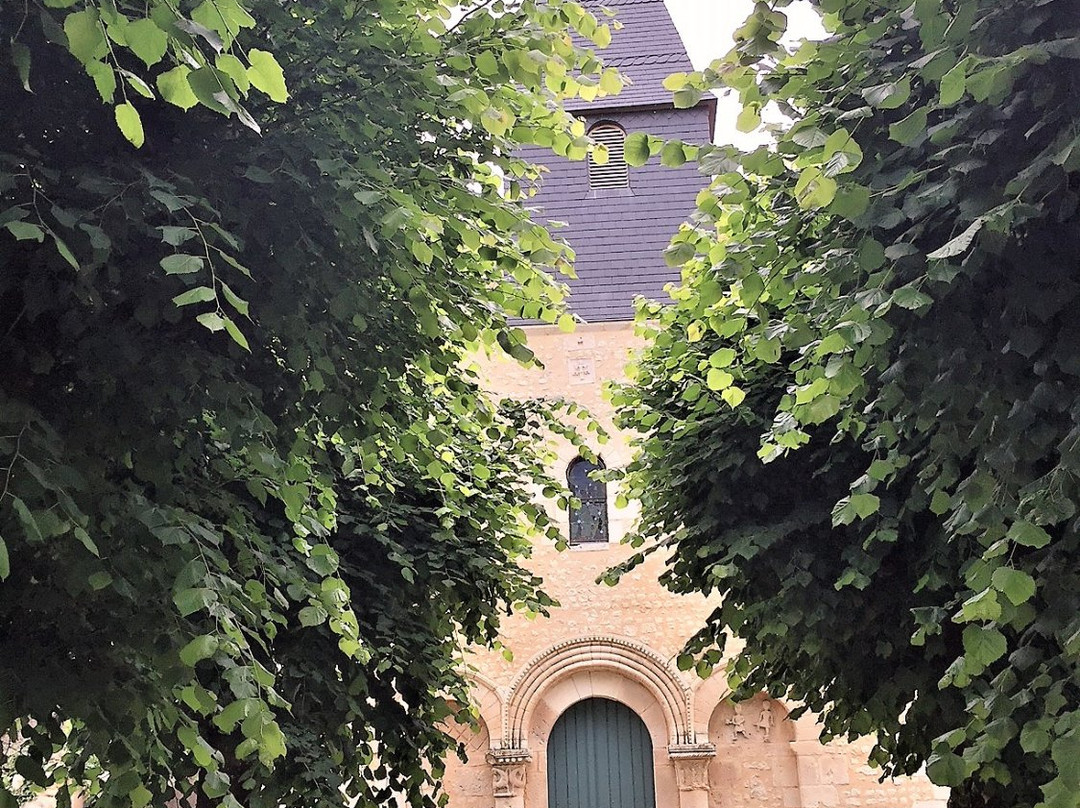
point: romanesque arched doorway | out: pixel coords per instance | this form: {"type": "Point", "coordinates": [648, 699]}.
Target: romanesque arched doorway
{"type": "Point", "coordinates": [600, 755]}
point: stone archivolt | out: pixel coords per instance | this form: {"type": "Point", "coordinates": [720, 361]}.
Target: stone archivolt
{"type": "Point", "coordinates": [626, 658]}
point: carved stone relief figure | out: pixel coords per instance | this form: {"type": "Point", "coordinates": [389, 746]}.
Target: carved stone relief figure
{"type": "Point", "coordinates": [765, 720]}
{"type": "Point", "coordinates": [738, 724]}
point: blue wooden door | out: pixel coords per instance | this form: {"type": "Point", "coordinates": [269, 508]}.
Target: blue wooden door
{"type": "Point", "coordinates": [600, 756]}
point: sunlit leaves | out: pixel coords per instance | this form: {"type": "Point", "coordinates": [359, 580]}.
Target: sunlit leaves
{"type": "Point", "coordinates": [85, 37]}
{"type": "Point", "coordinates": [636, 149]}
{"type": "Point", "coordinates": [814, 189]}
{"type": "Point", "coordinates": [268, 340]}
{"type": "Point", "coordinates": [174, 87]}
{"type": "Point", "coordinates": [266, 75]}
{"type": "Point", "coordinates": [146, 40]}
{"type": "Point", "coordinates": [130, 123]}
{"type": "Point", "coordinates": [889, 282]}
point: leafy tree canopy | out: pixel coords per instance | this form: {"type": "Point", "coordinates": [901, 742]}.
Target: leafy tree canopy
{"type": "Point", "coordinates": [252, 502]}
{"type": "Point", "coordinates": [860, 415]}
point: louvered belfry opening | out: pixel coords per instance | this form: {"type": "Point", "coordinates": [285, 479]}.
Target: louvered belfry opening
{"type": "Point", "coordinates": [614, 173]}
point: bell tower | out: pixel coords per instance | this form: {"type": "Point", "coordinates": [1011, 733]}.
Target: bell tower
{"type": "Point", "coordinates": [619, 218]}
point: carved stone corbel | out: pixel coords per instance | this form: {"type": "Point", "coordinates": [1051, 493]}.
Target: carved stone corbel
{"type": "Point", "coordinates": [692, 768]}
{"type": "Point", "coordinates": [508, 770]}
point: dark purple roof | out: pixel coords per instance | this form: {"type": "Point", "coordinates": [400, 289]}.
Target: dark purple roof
{"type": "Point", "coordinates": [619, 234]}
{"type": "Point", "coordinates": [647, 49]}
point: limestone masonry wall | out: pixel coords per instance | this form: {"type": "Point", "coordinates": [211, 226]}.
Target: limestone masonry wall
{"type": "Point", "coordinates": [620, 643]}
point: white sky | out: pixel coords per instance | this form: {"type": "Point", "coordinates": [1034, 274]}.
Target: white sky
{"type": "Point", "coordinates": [706, 27]}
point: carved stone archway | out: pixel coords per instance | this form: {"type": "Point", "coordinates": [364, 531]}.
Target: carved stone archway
{"type": "Point", "coordinates": [628, 659]}
{"type": "Point", "coordinates": [600, 667]}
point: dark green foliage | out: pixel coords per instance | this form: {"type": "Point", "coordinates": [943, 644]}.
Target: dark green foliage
{"type": "Point", "coordinates": [252, 502]}
{"type": "Point", "coordinates": [861, 413]}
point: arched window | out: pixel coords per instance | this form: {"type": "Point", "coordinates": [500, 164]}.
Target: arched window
{"type": "Point", "coordinates": [613, 173]}
{"type": "Point", "coordinates": [589, 522]}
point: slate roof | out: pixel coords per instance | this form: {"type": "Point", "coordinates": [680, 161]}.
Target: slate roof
{"type": "Point", "coordinates": [619, 234]}
{"type": "Point", "coordinates": [647, 49]}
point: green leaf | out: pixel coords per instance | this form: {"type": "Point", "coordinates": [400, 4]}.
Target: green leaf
{"type": "Point", "coordinates": [146, 41]}
{"type": "Point", "coordinates": [5, 561]}
{"type": "Point", "coordinates": [20, 57]}
{"type": "Point", "coordinates": [211, 320]}
{"type": "Point", "coordinates": [174, 87]}
{"type": "Point", "coordinates": [749, 118]}
{"type": "Point", "coordinates": [104, 80]}
{"type": "Point", "coordinates": [216, 784]}
{"type": "Point", "coordinates": [636, 149]}
{"type": "Point", "coordinates": [1035, 736]}
{"type": "Point", "coordinates": [99, 580]}
{"type": "Point", "coordinates": [686, 97]}
{"type": "Point", "coordinates": [960, 243]}
{"type": "Point", "coordinates": [865, 505]}
{"type": "Point", "coordinates": [718, 379]}
{"type": "Point", "coordinates": [940, 502]}
{"type": "Point", "coordinates": [1065, 752]}
{"type": "Point", "coordinates": [487, 64]}
{"type": "Point", "coordinates": [200, 294]}
{"type": "Point", "coordinates": [851, 201]}
{"type": "Point", "coordinates": [672, 155]}
{"type": "Point", "coordinates": [676, 81]}
{"type": "Point", "coordinates": [86, 40]}
{"type": "Point", "coordinates": [65, 251]}
{"type": "Point", "coordinates": [313, 616]}
{"type": "Point", "coordinates": [841, 152]}
{"type": "Point", "coordinates": [266, 75]}
{"type": "Point", "coordinates": [189, 601]}
{"type": "Point", "coordinates": [984, 645]}
{"type": "Point", "coordinates": [130, 124]}
{"type": "Point", "coordinates": [679, 253]}
{"type": "Point", "coordinates": [908, 297]}
{"type": "Point", "coordinates": [983, 606]}
{"type": "Point", "coordinates": [1028, 535]}
{"type": "Point", "coordinates": [212, 89]}
{"type": "Point", "coordinates": [200, 648]}
{"type": "Point", "coordinates": [181, 264]}
{"type": "Point", "coordinates": [890, 95]}
{"type": "Point", "coordinates": [814, 189]}
{"type": "Point", "coordinates": [1017, 585]}
{"type": "Point", "coordinates": [733, 396]}
{"type": "Point", "coordinates": [234, 69]}
{"type": "Point", "coordinates": [235, 333]}
{"type": "Point", "coordinates": [946, 769]}
{"type": "Point", "coordinates": [722, 358]}
{"type": "Point", "coordinates": [905, 131]}
{"type": "Point", "coordinates": [29, 524]}
{"type": "Point", "coordinates": [25, 231]}
{"type": "Point", "coordinates": [952, 84]}
{"type": "Point", "coordinates": [234, 299]}
{"type": "Point", "coordinates": [139, 796]}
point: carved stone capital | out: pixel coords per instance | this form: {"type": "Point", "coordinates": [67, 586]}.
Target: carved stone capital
{"type": "Point", "coordinates": [508, 768]}
{"type": "Point", "coordinates": [692, 765]}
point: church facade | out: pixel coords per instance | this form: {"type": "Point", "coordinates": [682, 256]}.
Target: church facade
{"type": "Point", "coordinates": [590, 711]}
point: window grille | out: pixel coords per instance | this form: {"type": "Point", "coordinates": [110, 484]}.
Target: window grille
{"type": "Point", "coordinates": [614, 173]}
{"type": "Point", "coordinates": [589, 521]}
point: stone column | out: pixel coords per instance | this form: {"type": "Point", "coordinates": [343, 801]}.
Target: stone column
{"type": "Point", "coordinates": [508, 767]}
{"type": "Point", "coordinates": [691, 763]}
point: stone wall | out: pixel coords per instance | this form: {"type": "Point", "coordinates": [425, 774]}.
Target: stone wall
{"type": "Point", "coordinates": [620, 643]}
